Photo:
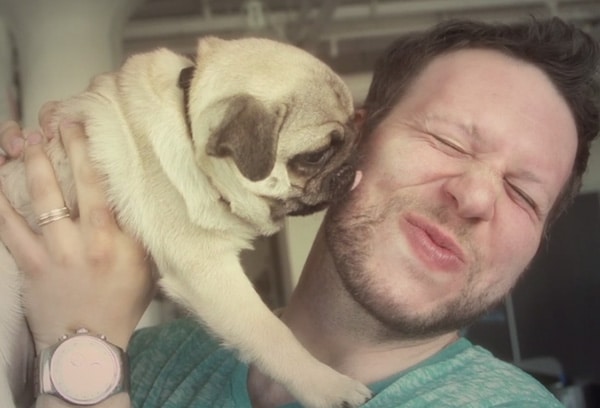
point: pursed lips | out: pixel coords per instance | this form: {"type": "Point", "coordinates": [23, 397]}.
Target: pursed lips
{"type": "Point", "coordinates": [441, 239]}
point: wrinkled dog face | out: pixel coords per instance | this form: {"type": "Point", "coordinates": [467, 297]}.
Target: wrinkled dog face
{"type": "Point", "coordinates": [281, 125]}
{"type": "Point", "coordinates": [323, 172]}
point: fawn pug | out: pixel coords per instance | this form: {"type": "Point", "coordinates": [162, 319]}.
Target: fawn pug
{"type": "Point", "coordinates": [200, 157]}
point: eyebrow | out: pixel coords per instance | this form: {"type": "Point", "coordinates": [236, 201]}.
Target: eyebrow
{"type": "Point", "coordinates": [470, 130]}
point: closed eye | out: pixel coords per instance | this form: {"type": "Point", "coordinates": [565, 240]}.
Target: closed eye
{"type": "Point", "coordinates": [449, 144]}
{"type": "Point", "coordinates": [308, 163]}
{"type": "Point", "coordinates": [315, 158]}
{"type": "Point", "coordinates": [524, 196]}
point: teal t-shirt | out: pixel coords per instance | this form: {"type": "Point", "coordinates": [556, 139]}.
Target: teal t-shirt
{"type": "Point", "coordinates": [178, 365]}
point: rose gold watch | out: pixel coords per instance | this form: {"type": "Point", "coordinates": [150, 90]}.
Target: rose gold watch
{"type": "Point", "coordinates": [82, 369]}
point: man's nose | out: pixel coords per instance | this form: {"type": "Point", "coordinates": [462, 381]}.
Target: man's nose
{"type": "Point", "coordinates": [474, 192]}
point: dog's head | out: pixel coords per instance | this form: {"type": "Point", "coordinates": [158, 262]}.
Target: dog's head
{"type": "Point", "coordinates": [271, 124]}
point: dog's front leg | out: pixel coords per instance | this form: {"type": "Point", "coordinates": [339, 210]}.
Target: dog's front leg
{"type": "Point", "coordinates": [220, 294]}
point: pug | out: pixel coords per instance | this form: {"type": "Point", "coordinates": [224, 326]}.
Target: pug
{"type": "Point", "coordinates": [200, 157]}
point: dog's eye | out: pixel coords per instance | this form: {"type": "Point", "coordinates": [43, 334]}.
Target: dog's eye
{"type": "Point", "coordinates": [308, 163]}
{"type": "Point", "coordinates": [315, 158]}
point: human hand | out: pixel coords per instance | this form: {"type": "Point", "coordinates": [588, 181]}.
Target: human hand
{"type": "Point", "coordinates": [12, 137]}
{"type": "Point", "coordinates": [82, 272]}
{"type": "Point", "coordinates": [11, 140]}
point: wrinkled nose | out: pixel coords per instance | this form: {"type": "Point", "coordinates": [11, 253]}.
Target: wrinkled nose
{"type": "Point", "coordinates": [474, 193]}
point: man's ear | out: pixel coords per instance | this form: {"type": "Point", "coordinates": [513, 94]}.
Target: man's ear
{"type": "Point", "coordinates": [248, 133]}
{"type": "Point", "coordinates": [359, 117]}
{"type": "Point", "coordinates": [358, 120]}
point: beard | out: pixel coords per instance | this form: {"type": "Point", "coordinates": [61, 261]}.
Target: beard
{"type": "Point", "coordinates": [350, 229]}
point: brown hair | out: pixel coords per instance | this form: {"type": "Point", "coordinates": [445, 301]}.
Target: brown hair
{"type": "Point", "coordinates": [569, 56]}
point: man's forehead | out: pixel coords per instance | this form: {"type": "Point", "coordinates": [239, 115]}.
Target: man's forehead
{"type": "Point", "coordinates": [503, 101]}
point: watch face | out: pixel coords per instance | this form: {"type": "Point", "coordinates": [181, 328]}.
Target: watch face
{"type": "Point", "coordinates": [84, 370]}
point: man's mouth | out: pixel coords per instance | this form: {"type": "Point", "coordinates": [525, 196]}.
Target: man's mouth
{"type": "Point", "coordinates": [436, 246]}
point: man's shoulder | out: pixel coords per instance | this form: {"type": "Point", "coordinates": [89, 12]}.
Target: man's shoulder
{"type": "Point", "coordinates": [465, 375]}
{"type": "Point", "coordinates": [180, 364]}
{"type": "Point", "coordinates": [172, 332]}
{"type": "Point", "coordinates": [183, 338]}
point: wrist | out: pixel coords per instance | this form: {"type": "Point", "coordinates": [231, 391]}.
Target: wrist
{"type": "Point", "coordinates": [116, 401]}
{"type": "Point", "coordinates": [82, 368]}
{"type": "Point", "coordinates": [119, 338]}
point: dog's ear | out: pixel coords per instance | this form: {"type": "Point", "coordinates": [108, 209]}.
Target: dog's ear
{"type": "Point", "coordinates": [248, 133]}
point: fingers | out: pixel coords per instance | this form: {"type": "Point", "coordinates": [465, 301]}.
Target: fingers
{"type": "Point", "coordinates": [44, 190]}
{"type": "Point", "coordinates": [94, 209]}
{"type": "Point", "coordinates": [11, 138]}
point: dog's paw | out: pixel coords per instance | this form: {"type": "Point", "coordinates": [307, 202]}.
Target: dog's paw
{"type": "Point", "coordinates": [339, 392]}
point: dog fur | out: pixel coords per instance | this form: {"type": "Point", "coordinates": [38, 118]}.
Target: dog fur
{"type": "Point", "coordinates": [263, 131]}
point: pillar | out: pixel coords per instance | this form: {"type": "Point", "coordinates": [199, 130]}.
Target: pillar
{"type": "Point", "coordinates": [8, 106]}
{"type": "Point", "coordinates": [61, 44]}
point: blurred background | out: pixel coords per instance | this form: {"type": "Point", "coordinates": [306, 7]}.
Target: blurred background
{"type": "Point", "coordinates": [49, 49]}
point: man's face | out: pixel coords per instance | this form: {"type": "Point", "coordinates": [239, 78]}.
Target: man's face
{"type": "Point", "coordinates": [457, 183]}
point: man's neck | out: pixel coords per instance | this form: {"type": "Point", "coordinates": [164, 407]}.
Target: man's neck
{"type": "Point", "coordinates": [360, 350]}
{"type": "Point", "coordinates": [334, 329]}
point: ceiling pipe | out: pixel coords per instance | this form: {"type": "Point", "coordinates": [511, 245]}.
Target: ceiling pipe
{"type": "Point", "coordinates": [349, 15]}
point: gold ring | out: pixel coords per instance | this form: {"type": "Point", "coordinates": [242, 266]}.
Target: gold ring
{"type": "Point", "coordinates": [53, 215]}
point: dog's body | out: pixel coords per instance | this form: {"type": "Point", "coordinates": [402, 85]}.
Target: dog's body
{"type": "Point", "coordinates": [266, 133]}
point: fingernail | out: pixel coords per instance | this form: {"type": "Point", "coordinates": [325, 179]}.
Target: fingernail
{"type": "Point", "coordinates": [33, 138]}
{"type": "Point", "coordinates": [16, 145]}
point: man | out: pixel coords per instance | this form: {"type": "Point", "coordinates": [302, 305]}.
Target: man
{"type": "Point", "coordinates": [475, 137]}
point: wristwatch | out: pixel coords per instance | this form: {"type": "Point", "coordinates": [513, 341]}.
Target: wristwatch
{"type": "Point", "coordinates": [81, 369]}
